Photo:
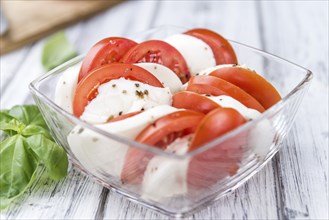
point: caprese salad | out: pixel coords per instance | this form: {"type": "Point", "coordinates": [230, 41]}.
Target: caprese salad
{"type": "Point", "coordinates": [175, 94]}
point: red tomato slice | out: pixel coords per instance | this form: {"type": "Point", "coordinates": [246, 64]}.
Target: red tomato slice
{"type": "Point", "coordinates": [106, 51]}
{"type": "Point", "coordinates": [250, 82]}
{"type": "Point", "coordinates": [215, 86]}
{"type": "Point", "coordinates": [194, 101]}
{"type": "Point", "coordinates": [159, 134]}
{"type": "Point", "coordinates": [222, 49]}
{"type": "Point", "coordinates": [156, 51]}
{"type": "Point", "coordinates": [122, 117]}
{"type": "Point", "coordinates": [212, 165]}
{"type": "Point", "coordinates": [87, 88]}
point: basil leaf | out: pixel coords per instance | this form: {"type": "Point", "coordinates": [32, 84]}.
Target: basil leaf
{"type": "Point", "coordinates": [18, 168]}
{"type": "Point", "coordinates": [57, 50]}
{"type": "Point", "coordinates": [35, 129]}
{"type": "Point", "coordinates": [52, 155]}
{"type": "Point", "coordinates": [29, 115]}
{"type": "Point", "coordinates": [25, 143]}
{"type": "Point", "coordinates": [3, 135]}
{"type": "Point", "coordinates": [10, 124]}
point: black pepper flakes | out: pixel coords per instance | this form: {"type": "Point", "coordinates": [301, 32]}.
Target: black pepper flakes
{"type": "Point", "coordinates": [137, 85]}
{"type": "Point", "coordinates": [110, 117]}
{"type": "Point", "coordinates": [64, 82]}
{"type": "Point", "coordinates": [114, 85]}
{"type": "Point", "coordinates": [146, 92]}
{"type": "Point", "coordinates": [80, 130]}
{"type": "Point", "coordinates": [95, 139]}
{"type": "Point", "coordinates": [207, 95]}
{"type": "Point", "coordinates": [139, 94]}
{"type": "Point", "coordinates": [124, 91]}
{"type": "Point", "coordinates": [120, 113]}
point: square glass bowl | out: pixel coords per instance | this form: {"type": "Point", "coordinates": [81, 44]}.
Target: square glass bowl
{"type": "Point", "coordinates": [180, 184]}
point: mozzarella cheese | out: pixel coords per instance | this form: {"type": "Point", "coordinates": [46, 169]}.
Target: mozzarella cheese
{"type": "Point", "coordinates": [121, 96]}
{"type": "Point", "coordinates": [65, 88]}
{"type": "Point", "coordinates": [229, 102]}
{"type": "Point", "coordinates": [197, 54]}
{"type": "Point", "coordinates": [165, 75]}
{"type": "Point", "coordinates": [172, 172]}
{"type": "Point", "coordinates": [102, 155]}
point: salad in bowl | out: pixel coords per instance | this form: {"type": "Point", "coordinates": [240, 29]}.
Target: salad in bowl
{"type": "Point", "coordinates": [174, 119]}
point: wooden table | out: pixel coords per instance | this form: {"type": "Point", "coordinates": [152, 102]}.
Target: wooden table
{"type": "Point", "coordinates": [293, 185]}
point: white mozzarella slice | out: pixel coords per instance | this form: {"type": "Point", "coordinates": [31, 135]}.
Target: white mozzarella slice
{"type": "Point", "coordinates": [121, 96]}
{"type": "Point", "coordinates": [169, 171]}
{"type": "Point", "coordinates": [229, 102]}
{"type": "Point", "coordinates": [197, 54]}
{"type": "Point", "coordinates": [165, 75]}
{"type": "Point", "coordinates": [101, 155]}
{"type": "Point", "coordinates": [65, 88]}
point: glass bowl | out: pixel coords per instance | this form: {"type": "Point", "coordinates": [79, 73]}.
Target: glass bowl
{"type": "Point", "coordinates": [179, 185]}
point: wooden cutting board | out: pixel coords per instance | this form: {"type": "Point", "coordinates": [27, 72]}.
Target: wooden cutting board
{"type": "Point", "coordinates": [31, 20]}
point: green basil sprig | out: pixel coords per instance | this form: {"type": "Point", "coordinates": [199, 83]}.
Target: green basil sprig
{"type": "Point", "coordinates": [25, 144]}
{"type": "Point", "coordinates": [57, 50]}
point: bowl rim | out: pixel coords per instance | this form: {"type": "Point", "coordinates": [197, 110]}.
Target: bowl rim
{"type": "Point", "coordinates": [33, 86]}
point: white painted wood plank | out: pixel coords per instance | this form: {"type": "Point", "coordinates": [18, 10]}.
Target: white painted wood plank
{"type": "Point", "coordinates": [303, 167]}
{"type": "Point", "coordinates": [72, 198]}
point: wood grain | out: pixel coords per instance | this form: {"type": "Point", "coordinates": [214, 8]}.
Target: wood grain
{"type": "Point", "coordinates": [31, 20]}
{"type": "Point", "coordinates": [294, 185]}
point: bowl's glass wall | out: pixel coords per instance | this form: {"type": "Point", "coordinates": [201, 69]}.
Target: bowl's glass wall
{"type": "Point", "coordinates": [184, 183]}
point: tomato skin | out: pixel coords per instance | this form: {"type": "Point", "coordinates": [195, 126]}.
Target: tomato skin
{"type": "Point", "coordinates": [173, 122]}
{"type": "Point", "coordinates": [193, 101]}
{"type": "Point", "coordinates": [222, 49]}
{"type": "Point", "coordinates": [122, 117]}
{"type": "Point", "coordinates": [106, 51]}
{"type": "Point", "coordinates": [216, 123]}
{"type": "Point", "coordinates": [215, 86]}
{"type": "Point", "coordinates": [250, 82]}
{"type": "Point", "coordinates": [222, 160]}
{"type": "Point", "coordinates": [157, 51]}
{"type": "Point", "coordinates": [159, 134]}
{"type": "Point", "coordinates": [87, 88]}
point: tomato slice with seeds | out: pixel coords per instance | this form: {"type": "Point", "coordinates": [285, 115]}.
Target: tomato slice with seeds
{"type": "Point", "coordinates": [87, 88]}
{"type": "Point", "coordinates": [157, 51]}
{"type": "Point", "coordinates": [250, 82]}
{"type": "Point", "coordinates": [222, 160]}
{"type": "Point", "coordinates": [215, 86]}
{"type": "Point", "coordinates": [106, 51]}
{"type": "Point", "coordinates": [159, 134]}
{"type": "Point", "coordinates": [222, 49]}
{"type": "Point", "coordinates": [194, 101]}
